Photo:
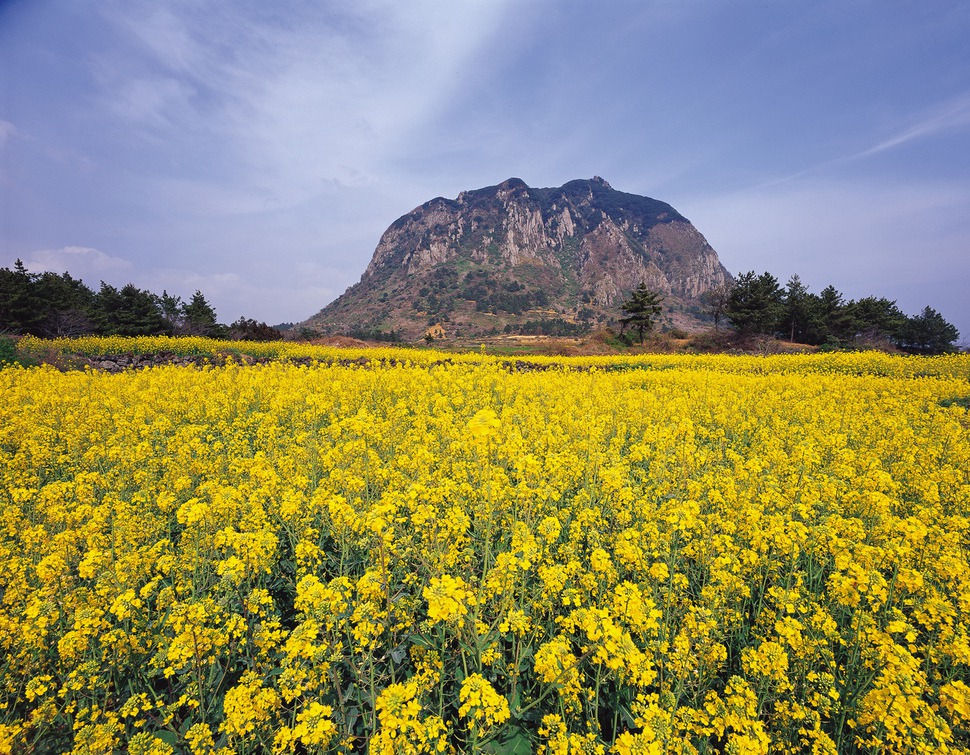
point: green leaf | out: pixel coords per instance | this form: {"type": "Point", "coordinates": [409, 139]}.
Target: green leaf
{"type": "Point", "coordinates": [351, 718]}
{"type": "Point", "coordinates": [962, 401]}
{"type": "Point", "coordinates": [168, 737]}
{"type": "Point", "coordinates": [422, 641]}
{"type": "Point", "coordinates": [514, 741]}
{"type": "Point", "coordinates": [526, 660]}
{"type": "Point", "coordinates": [516, 701]}
{"type": "Point", "coordinates": [627, 715]}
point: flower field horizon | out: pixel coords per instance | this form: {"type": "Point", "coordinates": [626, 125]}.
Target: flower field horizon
{"type": "Point", "coordinates": [403, 551]}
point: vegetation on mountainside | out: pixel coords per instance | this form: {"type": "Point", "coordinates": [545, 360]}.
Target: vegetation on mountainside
{"type": "Point", "coordinates": [503, 258]}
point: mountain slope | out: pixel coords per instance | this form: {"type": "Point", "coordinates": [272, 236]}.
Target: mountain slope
{"type": "Point", "coordinates": [511, 258]}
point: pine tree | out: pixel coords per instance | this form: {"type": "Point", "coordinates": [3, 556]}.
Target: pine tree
{"type": "Point", "coordinates": [797, 310]}
{"type": "Point", "coordinates": [199, 318]}
{"type": "Point", "coordinates": [20, 310]}
{"type": "Point", "coordinates": [128, 312]}
{"type": "Point", "coordinates": [641, 309]}
{"type": "Point", "coordinates": [66, 305]}
{"type": "Point", "coordinates": [171, 307]}
{"type": "Point", "coordinates": [929, 333]}
{"type": "Point", "coordinates": [756, 306]}
{"type": "Point", "coordinates": [835, 316]}
{"type": "Point", "coordinates": [877, 318]}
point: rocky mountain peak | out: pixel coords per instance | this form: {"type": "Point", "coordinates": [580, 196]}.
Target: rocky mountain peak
{"type": "Point", "coordinates": [511, 257]}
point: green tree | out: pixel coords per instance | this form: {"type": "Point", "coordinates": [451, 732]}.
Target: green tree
{"type": "Point", "coordinates": [66, 305]}
{"type": "Point", "coordinates": [797, 308]}
{"type": "Point", "coordinates": [107, 304]}
{"type": "Point", "coordinates": [247, 329]}
{"type": "Point", "coordinates": [171, 308]}
{"type": "Point", "coordinates": [20, 310]}
{"type": "Point", "coordinates": [641, 310]}
{"type": "Point", "coordinates": [834, 317]}
{"type": "Point", "coordinates": [128, 312]}
{"type": "Point", "coordinates": [877, 318]}
{"type": "Point", "coordinates": [929, 333]}
{"type": "Point", "coordinates": [199, 318]}
{"type": "Point", "coordinates": [756, 305]}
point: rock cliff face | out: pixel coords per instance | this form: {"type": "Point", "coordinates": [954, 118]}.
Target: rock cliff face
{"type": "Point", "coordinates": [510, 258]}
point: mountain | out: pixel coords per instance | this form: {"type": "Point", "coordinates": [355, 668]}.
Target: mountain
{"type": "Point", "coordinates": [511, 258]}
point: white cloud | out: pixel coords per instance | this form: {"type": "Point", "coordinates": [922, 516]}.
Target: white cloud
{"type": "Point", "coordinates": [90, 265]}
{"type": "Point", "coordinates": [294, 100]}
{"type": "Point", "coordinates": [7, 130]}
{"type": "Point", "coordinates": [283, 296]}
{"type": "Point", "coordinates": [951, 115]}
{"type": "Point", "coordinates": [341, 107]}
{"type": "Point", "coordinates": [150, 100]}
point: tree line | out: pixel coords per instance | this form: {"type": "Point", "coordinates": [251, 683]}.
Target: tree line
{"type": "Point", "coordinates": [757, 305]}
{"type": "Point", "coordinates": [52, 305]}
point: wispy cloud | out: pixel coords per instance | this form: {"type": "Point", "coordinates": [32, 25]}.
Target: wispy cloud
{"type": "Point", "coordinates": [154, 101]}
{"type": "Point", "coordinates": [7, 130]}
{"type": "Point", "coordinates": [294, 101]}
{"type": "Point", "coordinates": [952, 115]}
{"type": "Point", "coordinates": [86, 263]}
{"type": "Point", "coordinates": [196, 137]}
{"type": "Point", "coordinates": [949, 116]}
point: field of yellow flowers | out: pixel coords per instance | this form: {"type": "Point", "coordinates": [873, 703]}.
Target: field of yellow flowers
{"type": "Point", "coordinates": [411, 552]}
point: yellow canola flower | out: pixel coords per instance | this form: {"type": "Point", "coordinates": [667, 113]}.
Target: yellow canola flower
{"type": "Point", "coordinates": [149, 744]}
{"type": "Point", "coordinates": [448, 598]}
{"type": "Point", "coordinates": [314, 727]}
{"type": "Point", "coordinates": [481, 704]}
{"type": "Point", "coordinates": [483, 425]}
{"type": "Point", "coordinates": [697, 554]}
{"type": "Point", "coordinates": [248, 705]}
{"type": "Point", "coordinates": [403, 729]}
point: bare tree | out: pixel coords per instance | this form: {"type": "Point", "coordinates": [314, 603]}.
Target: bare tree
{"type": "Point", "coordinates": [715, 301]}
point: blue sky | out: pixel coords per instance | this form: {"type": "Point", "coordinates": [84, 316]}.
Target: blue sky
{"type": "Point", "coordinates": [256, 151]}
